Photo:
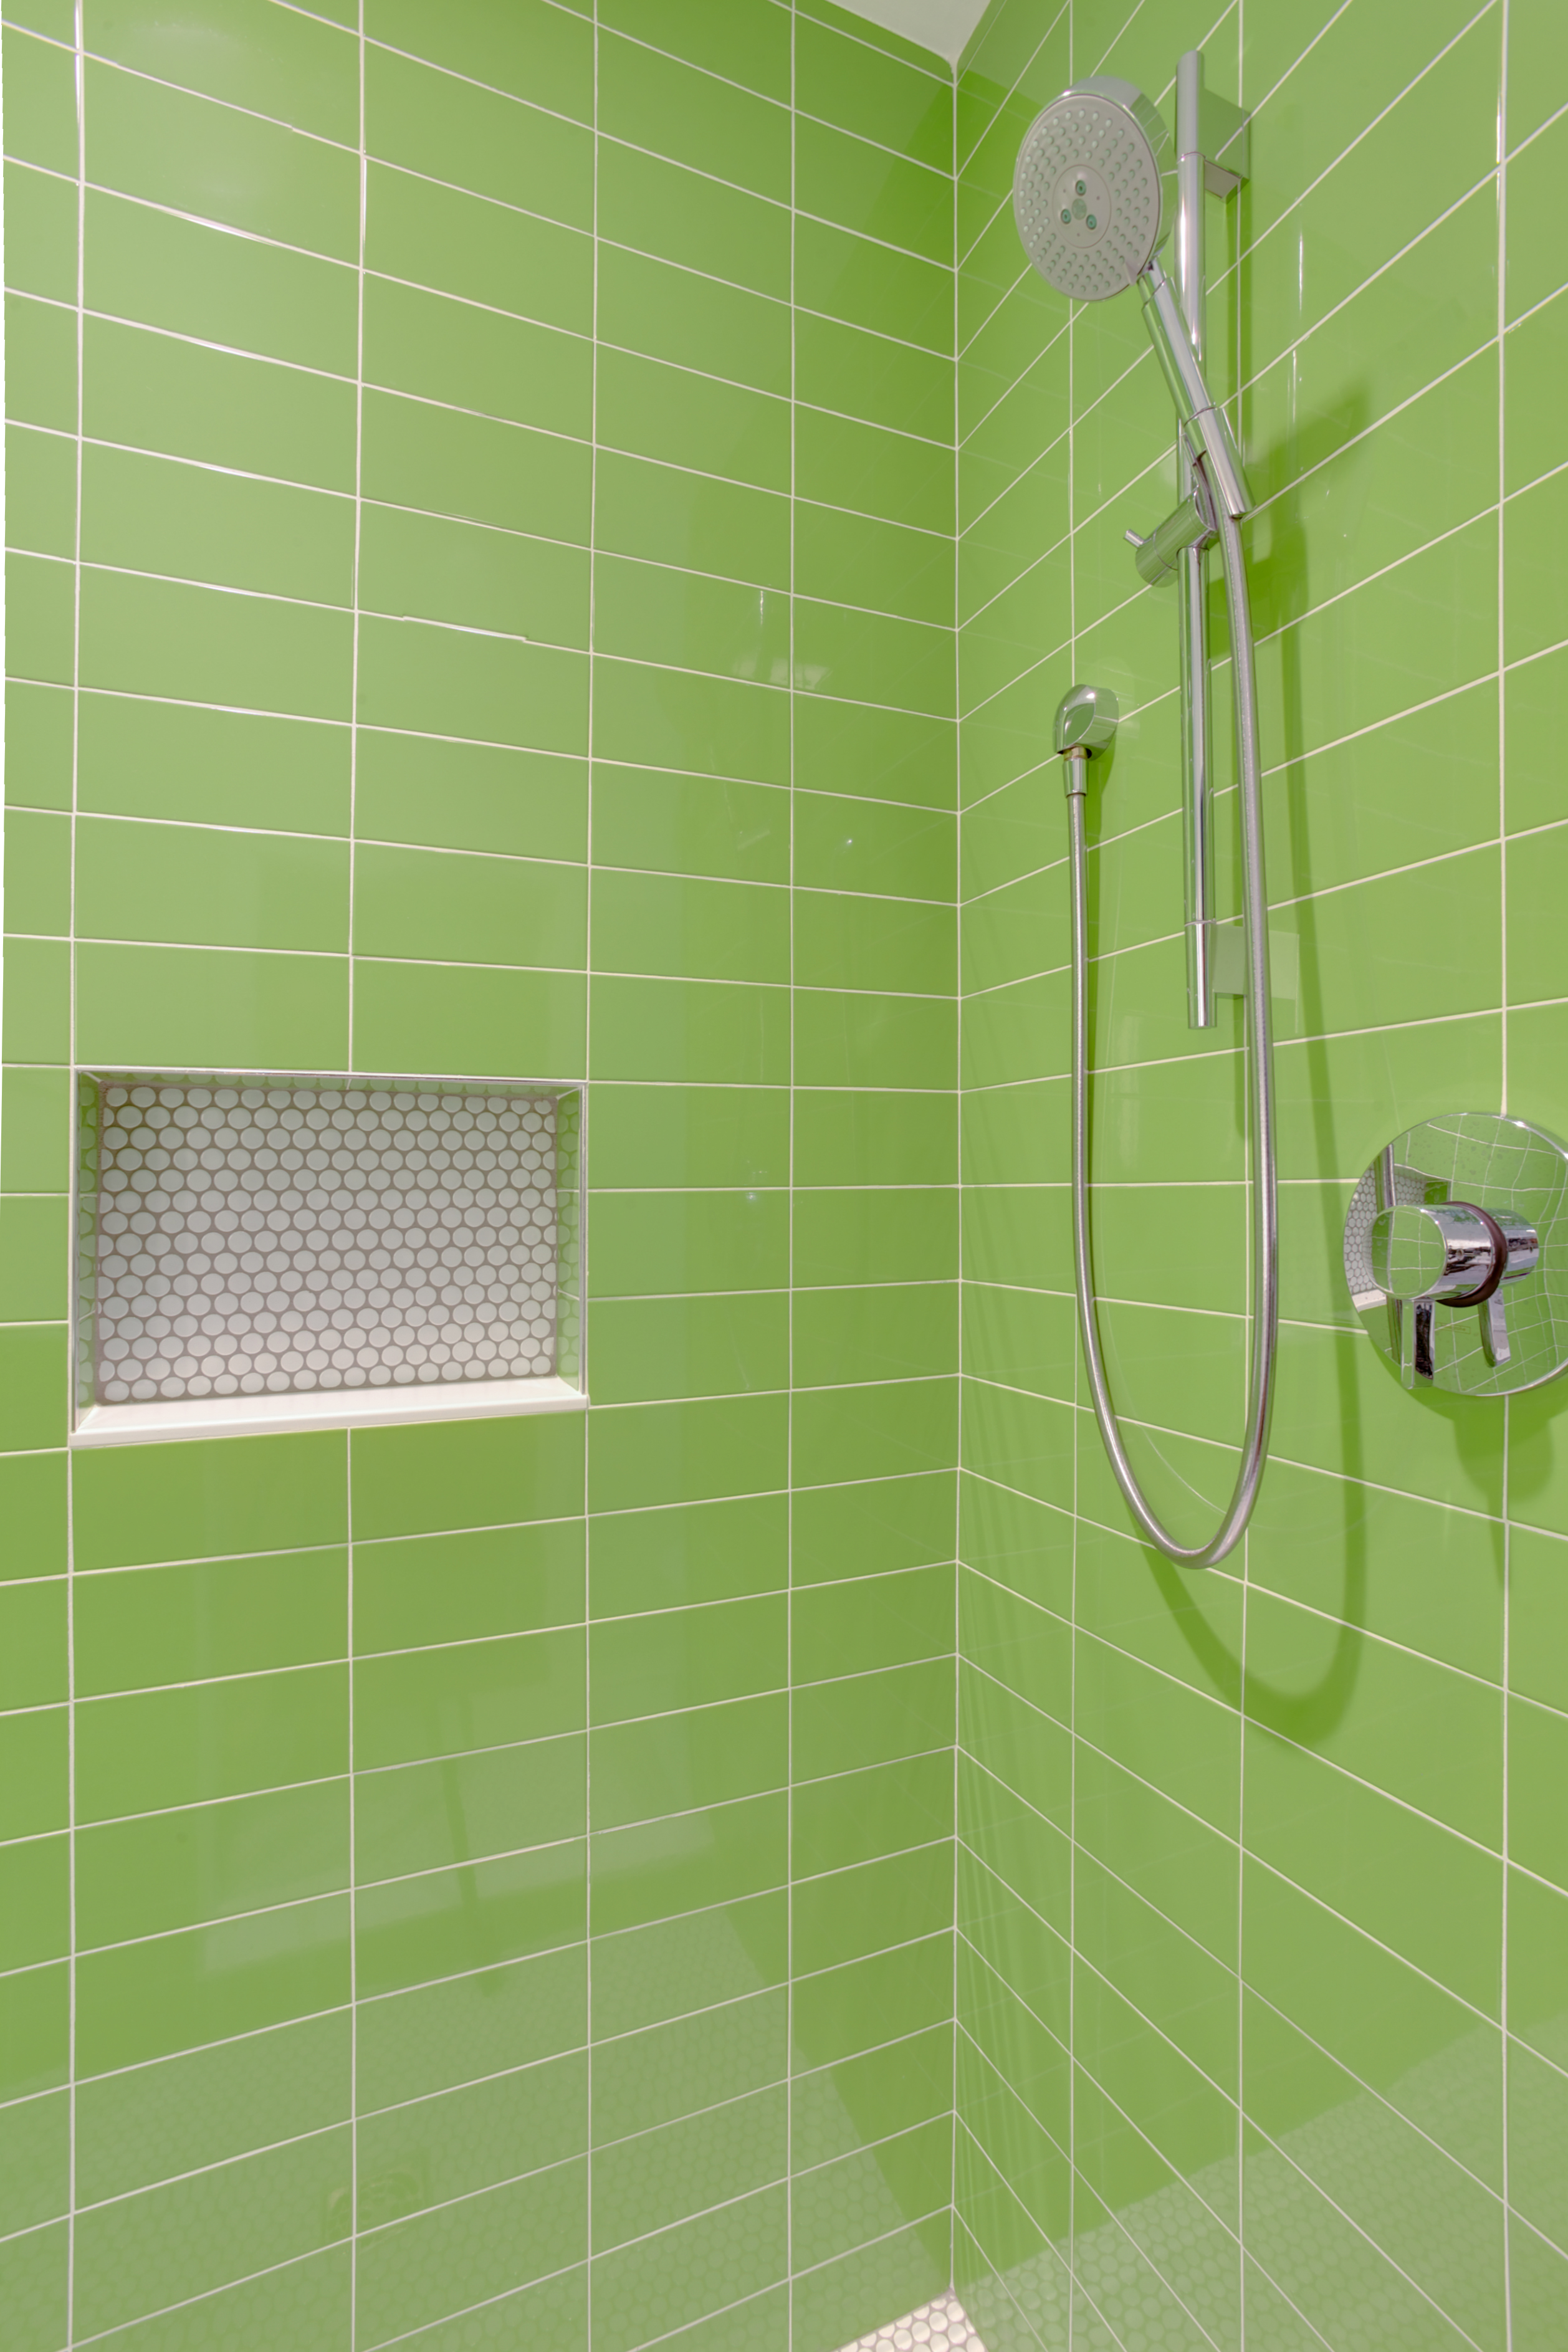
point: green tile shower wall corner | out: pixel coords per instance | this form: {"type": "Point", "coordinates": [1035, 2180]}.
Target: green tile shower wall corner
{"type": "Point", "coordinates": [485, 541]}
{"type": "Point", "coordinates": [494, 619]}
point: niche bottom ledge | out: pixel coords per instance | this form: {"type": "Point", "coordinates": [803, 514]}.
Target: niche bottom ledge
{"type": "Point", "coordinates": [160, 1422]}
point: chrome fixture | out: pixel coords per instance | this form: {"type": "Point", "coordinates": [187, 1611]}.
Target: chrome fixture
{"type": "Point", "coordinates": [1093, 196]}
{"type": "Point", "coordinates": [1456, 1253]}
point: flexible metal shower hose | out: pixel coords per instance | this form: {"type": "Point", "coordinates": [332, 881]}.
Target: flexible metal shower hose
{"type": "Point", "coordinates": [1265, 1269]}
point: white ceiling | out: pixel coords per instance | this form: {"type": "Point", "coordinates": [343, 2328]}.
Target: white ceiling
{"type": "Point", "coordinates": [943, 26]}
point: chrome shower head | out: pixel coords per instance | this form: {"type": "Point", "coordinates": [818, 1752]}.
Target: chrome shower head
{"type": "Point", "coordinates": [1093, 189]}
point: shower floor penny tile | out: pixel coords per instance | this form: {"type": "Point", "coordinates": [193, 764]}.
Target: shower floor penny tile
{"type": "Point", "coordinates": [939, 2326]}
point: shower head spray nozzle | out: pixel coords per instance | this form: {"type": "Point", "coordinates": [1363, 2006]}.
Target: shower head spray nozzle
{"type": "Point", "coordinates": [1093, 190]}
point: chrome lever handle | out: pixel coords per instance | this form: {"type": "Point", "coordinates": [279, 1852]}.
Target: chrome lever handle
{"type": "Point", "coordinates": [1450, 1253]}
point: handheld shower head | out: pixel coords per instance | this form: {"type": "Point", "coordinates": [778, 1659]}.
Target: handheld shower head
{"type": "Point", "coordinates": [1094, 187]}
{"type": "Point", "coordinates": [1093, 191]}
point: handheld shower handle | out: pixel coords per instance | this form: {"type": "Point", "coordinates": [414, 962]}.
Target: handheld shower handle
{"type": "Point", "coordinates": [1199, 417]}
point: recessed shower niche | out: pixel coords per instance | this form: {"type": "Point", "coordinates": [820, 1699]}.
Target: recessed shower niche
{"type": "Point", "coordinates": [266, 1251]}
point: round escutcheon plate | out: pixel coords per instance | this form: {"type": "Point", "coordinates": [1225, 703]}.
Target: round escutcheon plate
{"type": "Point", "coordinates": [1457, 1253]}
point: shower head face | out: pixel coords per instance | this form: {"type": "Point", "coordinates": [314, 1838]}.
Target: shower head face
{"type": "Point", "coordinates": [1093, 189]}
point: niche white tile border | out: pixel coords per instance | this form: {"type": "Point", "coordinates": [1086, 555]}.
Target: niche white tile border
{"type": "Point", "coordinates": [267, 1251]}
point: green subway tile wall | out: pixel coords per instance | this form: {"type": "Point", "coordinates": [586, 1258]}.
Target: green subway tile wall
{"type": "Point", "coordinates": [1263, 1890]}
{"type": "Point", "coordinates": [481, 503]}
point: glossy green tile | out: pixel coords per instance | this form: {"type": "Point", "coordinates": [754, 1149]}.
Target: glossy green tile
{"type": "Point", "coordinates": [490, 1022]}
{"type": "Point", "coordinates": [862, 468]}
{"type": "Point", "coordinates": [416, 1481]}
{"type": "Point", "coordinates": [882, 98]}
{"type": "Point", "coordinates": [35, 1668]}
{"type": "Point", "coordinates": [209, 887]}
{"type": "Point", "coordinates": [1532, 696]}
{"type": "Point", "coordinates": [901, 2179]}
{"type": "Point", "coordinates": [411, 2270]}
{"type": "Point", "coordinates": [645, 1349]}
{"type": "Point", "coordinates": [841, 1823]}
{"type": "Point", "coordinates": [844, 366]}
{"type": "Point", "coordinates": [41, 509]}
{"type": "Point", "coordinates": [147, 759]}
{"type": "Point", "coordinates": [846, 942]}
{"type": "Point", "coordinates": [880, 565]}
{"type": "Point", "coordinates": [41, 234]}
{"type": "Point", "coordinates": [34, 1143]}
{"type": "Point", "coordinates": [690, 1136]}
{"type": "Point", "coordinates": [159, 270]}
{"type": "Point", "coordinates": [858, 1040]}
{"type": "Point", "coordinates": [479, 467]}
{"type": "Point", "coordinates": [871, 2002]}
{"type": "Point", "coordinates": [653, 1974]}
{"type": "Point", "coordinates": [469, 1587]}
{"type": "Point", "coordinates": [910, 1234]}
{"type": "Point", "coordinates": [863, 283]}
{"type": "Point", "coordinates": [410, 2045]}
{"type": "Point", "coordinates": [41, 760]}
{"type": "Point", "coordinates": [886, 1430]}
{"type": "Point", "coordinates": [433, 236]}
{"type": "Point", "coordinates": [441, 348]}
{"type": "Point", "coordinates": [473, 137]}
{"type": "Point", "coordinates": [653, 101]}
{"type": "Point", "coordinates": [719, 726]}
{"type": "Point", "coordinates": [445, 681]}
{"type": "Point", "coordinates": [42, 82]}
{"type": "Point", "coordinates": [689, 929]}
{"type": "Point", "coordinates": [673, 516]}
{"type": "Point", "coordinates": [710, 1756]}
{"type": "Point", "coordinates": [191, 1746]}
{"type": "Point", "coordinates": [699, 2266]}
{"type": "Point", "coordinates": [192, 2235]}
{"type": "Point", "coordinates": [640, 1666]}
{"type": "Point", "coordinates": [746, 44]}
{"type": "Point", "coordinates": [430, 1816]}
{"type": "Point", "coordinates": [479, 796]}
{"type": "Point", "coordinates": [36, 2172]}
{"type": "Point", "coordinates": [892, 755]}
{"type": "Point", "coordinates": [691, 1553]}
{"type": "Point", "coordinates": [895, 1333]}
{"type": "Point", "coordinates": [222, 163]}
{"type": "Point", "coordinates": [33, 1747]}
{"type": "Point", "coordinates": [183, 2113]}
{"type": "Point", "coordinates": [693, 321]}
{"type": "Point", "coordinates": [38, 874]}
{"type": "Point", "coordinates": [216, 407]}
{"type": "Point", "coordinates": [303, 74]}
{"type": "Point", "coordinates": [40, 634]}
{"type": "Point", "coordinates": [447, 1922]}
{"type": "Point", "coordinates": [144, 1877]}
{"type": "Point", "coordinates": [425, 567]}
{"type": "Point", "coordinates": [34, 2031]}
{"type": "Point", "coordinates": [449, 2146]}
{"type": "Point", "coordinates": [870, 2097]}
{"type": "Point", "coordinates": [33, 2277]}
{"type": "Point", "coordinates": [689, 622]}
{"type": "Point", "coordinates": [536, 51]}
{"type": "Point", "coordinates": [442, 1701]}
{"type": "Point", "coordinates": [180, 1008]}
{"type": "Point", "coordinates": [690, 1032]}
{"type": "Point", "coordinates": [660, 2073]}
{"type": "Point", "coordinates": [658, 1243]}
{"type": "Point", "coordinates": [227, 1496]}
{"type": "Point", "coordinates": [192, 644]}
{"type": "Point", "coordinates": [649, 1454]}
{"type": "Point", "coordinates": [691, 824]}
{"type": "Point", "coordinates": [667, 1869]}
{"type": "Point", "coordinates": [647, 409]}
{"type": "Point", "coordinates": [661, 208]}
{"type": "Point", "coordinates": [467, 909]}
{"type": "Point", "coordinates": [872, 1138]}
